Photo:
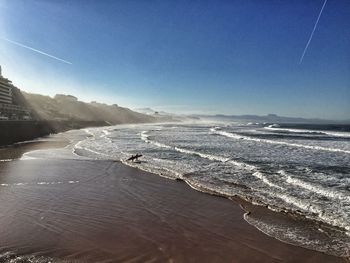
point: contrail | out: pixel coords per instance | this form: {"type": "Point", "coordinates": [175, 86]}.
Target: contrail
{"type": "Point", "coordinates": [35, 50]}
{"type": "Point", "coordinates": [312, 33]}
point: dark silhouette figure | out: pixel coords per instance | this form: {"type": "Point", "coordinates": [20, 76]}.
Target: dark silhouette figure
{"type": "Point", "coordinates": [134, 158]}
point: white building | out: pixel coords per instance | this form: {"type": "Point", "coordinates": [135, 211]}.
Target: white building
{"type": "Point", "coordinates": [9, 111]}
{"type": "Point", "coordinates": [5, 90]}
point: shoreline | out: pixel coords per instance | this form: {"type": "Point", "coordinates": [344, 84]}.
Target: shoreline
{"type": "Point", "coordinates": [233, 220]}
{"type": "Point", "coordinates": [319, 229]}
{"type": "Point", "coordinates": [274, 215]}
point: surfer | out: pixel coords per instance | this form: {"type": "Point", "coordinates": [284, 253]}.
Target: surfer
{"type": "Point", "coordinates": [135, 157]}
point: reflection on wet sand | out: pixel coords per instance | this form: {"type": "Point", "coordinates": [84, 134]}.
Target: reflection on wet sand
{"type": "Point", "coordinates": [104, 211]}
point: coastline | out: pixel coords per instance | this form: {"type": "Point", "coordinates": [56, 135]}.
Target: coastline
{"type": "Point", "coordinates": [119, 213]}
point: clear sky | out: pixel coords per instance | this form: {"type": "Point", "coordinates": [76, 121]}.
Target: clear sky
{"type": "Point", "coordinates": [231, 57]}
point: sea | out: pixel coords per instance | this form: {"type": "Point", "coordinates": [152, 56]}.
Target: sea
{"type": "Point", "coordinates": [298, 171]}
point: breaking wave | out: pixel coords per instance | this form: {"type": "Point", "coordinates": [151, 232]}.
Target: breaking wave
{"type": "Point", "coordinates": [242, 137]}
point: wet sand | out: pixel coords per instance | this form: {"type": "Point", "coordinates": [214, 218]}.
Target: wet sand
{"type": "Point", "coordinates": [16, 151]}
{"type": "Point", "coordinates": [104, 211]}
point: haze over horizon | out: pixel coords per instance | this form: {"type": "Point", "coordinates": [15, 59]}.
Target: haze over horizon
{"type": "Point", "coordinates": [239, 57]}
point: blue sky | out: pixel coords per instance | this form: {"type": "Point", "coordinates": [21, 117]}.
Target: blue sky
{"type": "Point", "coordinates": [231, 57]}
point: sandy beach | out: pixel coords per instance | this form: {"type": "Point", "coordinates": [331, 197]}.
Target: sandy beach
{"type": "Point", "coordinates": [104, 211]}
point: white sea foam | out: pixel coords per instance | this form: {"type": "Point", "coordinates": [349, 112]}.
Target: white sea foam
{"type": "Point", "coordinates": [327, 192]}
{"type": "Point", "coordinates": [296, 235]}
{"type": "Point", "coordinates": [88, 131]}
{"type": "Point", "coordinates": [144, 136]}
{"type": "Point", "coordinates": [274, 125]}
{"type": "Point", "coordinates": [106, 132]}
{"type": "Point", "coordinates": [266, 181]}
{"type": "Point", "coordinates": [146, 139]}
{"type": "Point", "coordinates": [203, 155]}
{"type": "Point", "coordinates": [314, 211]}
{"type": "Point", "coordinates": [78, 145]}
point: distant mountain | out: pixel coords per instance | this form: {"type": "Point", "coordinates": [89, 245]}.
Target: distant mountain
{"type": "Point", "coordinates": [270, 118]}
{"type": "Point", "coordinates": [67, 107]}
{"type": "Point", "coordinates": [163, 116]}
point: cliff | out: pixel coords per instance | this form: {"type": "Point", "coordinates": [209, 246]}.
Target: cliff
{"type": "Point", "coordinates": [62, 113]}
{"type": "Point", "coordinates": [69, 108]}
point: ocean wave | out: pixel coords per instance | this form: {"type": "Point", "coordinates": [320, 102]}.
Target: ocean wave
{"type": "Point", "coordinates": [320, 240]}
{"type": "Point", "coordinates": [253, 169]}
{"type": "Point", "coordinates": [243, 137]}
{"type": "Point", "coordinates": [78, 145]}
{"type": "Point", "coordinates": [145, 138]}
{"type": "Point", "coordinates": [313, 211]}
{"type": "Point", "coordinates": [266, 181]}
{"type": "Point", "coordinates": [311, 132]}
{"type": "Point", "coordinates": [318, 189]}
{"type": "Point", "coordinates": [105, 133]}
{"type": "Point", "coordinates": [275, 125]}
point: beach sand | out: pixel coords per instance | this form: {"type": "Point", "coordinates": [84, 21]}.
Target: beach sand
{"type": "Point", "coordinates": [104, 211]}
